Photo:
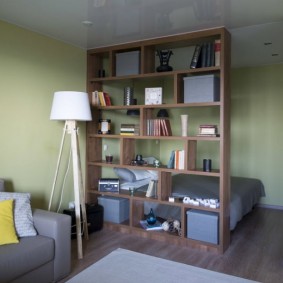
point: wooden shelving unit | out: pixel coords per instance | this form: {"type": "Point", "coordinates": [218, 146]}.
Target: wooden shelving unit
{"type": "Point", "coordinates": [104, 58]}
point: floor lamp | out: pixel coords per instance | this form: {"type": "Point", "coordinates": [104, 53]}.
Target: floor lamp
{"type": "Point", "coordinates": [72, 106]}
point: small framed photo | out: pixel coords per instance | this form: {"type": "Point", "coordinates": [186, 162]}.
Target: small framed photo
{"type": "Point", "coordinates": [104, 126]}
{"type": "Point", "coordinates": [153, 95]}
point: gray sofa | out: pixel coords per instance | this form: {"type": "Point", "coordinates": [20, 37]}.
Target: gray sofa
{"type": "Point", "coordinates": [42, 258]}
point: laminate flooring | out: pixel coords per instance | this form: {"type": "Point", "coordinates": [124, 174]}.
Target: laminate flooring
{"type": "Point", "coordinates": [256, 250]}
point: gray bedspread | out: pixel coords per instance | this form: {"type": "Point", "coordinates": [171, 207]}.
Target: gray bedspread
{"type": "Point", "coordinates": [245, 192]}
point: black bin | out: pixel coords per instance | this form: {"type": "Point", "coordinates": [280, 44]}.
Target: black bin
{"type": "Point", "coordinates": [94, 215]}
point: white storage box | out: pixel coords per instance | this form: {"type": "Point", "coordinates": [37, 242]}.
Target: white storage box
{"type": "Point", "coordinates": [115, 209]}
{"type": "Point", "coordinates": [128, 63]}
{"type": "Point", "coordinates": [202, 225]}
{"type": "Point", "coordinates": [201, 89]}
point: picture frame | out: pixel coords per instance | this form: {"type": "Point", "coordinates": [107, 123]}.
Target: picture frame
{"type": "Point", "coordinates": [153, 95]}
{"type": "Point", "coordinates": [104, 126]}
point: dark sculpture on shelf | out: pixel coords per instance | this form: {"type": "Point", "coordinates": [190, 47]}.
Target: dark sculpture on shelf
{"type": "Point", "coordinates": [151, 219]}
{"type": "Point", "coordinates": [164, 56]}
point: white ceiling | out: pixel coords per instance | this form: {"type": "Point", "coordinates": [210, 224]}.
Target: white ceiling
{"type": "Point", "coordinates": [251, 22]}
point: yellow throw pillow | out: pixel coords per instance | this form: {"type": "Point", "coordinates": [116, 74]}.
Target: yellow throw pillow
{"type": "Point", "coordinates": [7, 226]}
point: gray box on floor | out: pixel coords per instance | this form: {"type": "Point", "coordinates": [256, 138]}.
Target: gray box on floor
{"type": "Point", "coordinates": [202, 226]}
{"type": "Point", "coordinates": [201, 89]}
{"type": "Point", "coordinates": [115, 209]}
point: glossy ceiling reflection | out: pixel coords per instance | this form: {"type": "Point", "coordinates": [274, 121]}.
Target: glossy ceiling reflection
{"type": "Point", "coordinates": [94, 23]}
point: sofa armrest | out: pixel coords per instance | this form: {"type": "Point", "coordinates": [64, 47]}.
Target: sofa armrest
{"type": "Point", "coordinates": [58, 227]}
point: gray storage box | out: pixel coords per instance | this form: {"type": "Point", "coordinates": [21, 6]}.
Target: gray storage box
{"type": "Point", "coordinates": [201, 89]}
{"type": "Point", "coordinates": [115, 209]}
{"type": "Point", "coordinates": [128, 63]}
{"type": "Point", "coordinates": [202, 226]}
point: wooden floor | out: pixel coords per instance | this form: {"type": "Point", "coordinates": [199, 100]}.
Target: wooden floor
{"type": "Point", "coordinates": [256, 250]}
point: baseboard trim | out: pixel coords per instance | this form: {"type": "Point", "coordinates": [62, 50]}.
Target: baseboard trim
{"type": "Point", "coordinates": [278, 207]}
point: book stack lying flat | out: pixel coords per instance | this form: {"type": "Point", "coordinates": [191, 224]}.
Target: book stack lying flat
{"type": "Point", "coordinates": [208, 130]}
{"type": "Point", "coordinates": [156, 226]}
{"type": "Point", "coordinates": [130, 130]}
{"type": "Point", "coordinates": [158, 127]}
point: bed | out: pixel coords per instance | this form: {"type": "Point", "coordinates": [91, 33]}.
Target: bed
{"type": "Point", "coordinates": [245, 192]}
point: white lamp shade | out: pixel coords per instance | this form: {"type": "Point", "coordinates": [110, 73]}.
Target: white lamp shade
{"type": "Point", "coordinates": [70, 105]}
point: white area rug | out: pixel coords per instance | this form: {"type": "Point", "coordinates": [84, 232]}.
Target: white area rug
{"type": "Point", "coordinates": [123, 266]}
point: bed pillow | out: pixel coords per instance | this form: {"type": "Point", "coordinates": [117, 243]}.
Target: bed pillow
{"type": "Point", "coordinates": [7, 227]}
{"type": "Point", "coordinates": [144, 174]}
{"type": "Point", "coordinates": [125, 174]}
{"type": "Point", "coordinates": [22, 213]}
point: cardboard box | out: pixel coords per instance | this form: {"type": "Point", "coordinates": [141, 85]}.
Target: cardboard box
{"type": "Point", "coordinates": [202, 225]}
{"type": "Point", "coordinates": [128, 63]}
{"type": "Point", "coordinates": [201, 89]}
{"type": "Point", "coordinates": [115, 209]}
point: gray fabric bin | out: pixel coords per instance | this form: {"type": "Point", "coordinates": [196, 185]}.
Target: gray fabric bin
{"type": "Point", "coordinates": [202, 226]}
{"type": "Point", "coordinates": [115, 209]}
{"type": "Point", "coordinates": [201, 89]}
{"type": "Point", "coordinates": [128, 63]}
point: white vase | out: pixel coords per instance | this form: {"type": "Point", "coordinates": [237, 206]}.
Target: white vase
{"type": "Point", "coordinates": [184, 125]}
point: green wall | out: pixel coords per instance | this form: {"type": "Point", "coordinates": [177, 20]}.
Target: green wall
{"type": "Point", "coordinates": [256, 148]}
{"type": "Point", "coordinates": [33, 67]}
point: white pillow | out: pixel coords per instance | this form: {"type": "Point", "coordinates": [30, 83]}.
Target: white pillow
{"type": "Point", "coordinates": [133, 175]}
{"type": "Point", "coordinates": [22, 213]}
{"type": "Point", "coordinates": [124, 174]}
{"type": "Point", "coordinates": [144, 174]}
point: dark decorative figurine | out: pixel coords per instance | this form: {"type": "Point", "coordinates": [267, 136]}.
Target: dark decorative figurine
{"type": "Point", "coordinates": [164, 56]}
{"type": "Point", "coordinates": [151, 219]}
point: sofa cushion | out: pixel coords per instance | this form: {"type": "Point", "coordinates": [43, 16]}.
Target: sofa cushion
{"type": "Point", "coordinates": [22, 213]}
{"type": "Point", "coordinates": [29, 254]}
{"type": "Point", "coordinates": [7, 227]}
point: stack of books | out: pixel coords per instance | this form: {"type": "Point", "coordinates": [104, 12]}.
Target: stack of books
{"type": "Point", "coordinates": [130, 130]}
{"type": "Point", "coordinates": [158, 127]}
{"type": "Point", "coordinates": [177, 160]}
{"type": "Point", "coordinates": [208, 130]}
{"type": "Point", "coordinates": [156, 226]}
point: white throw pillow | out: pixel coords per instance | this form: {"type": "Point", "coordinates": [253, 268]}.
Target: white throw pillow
{"type": "Point", "coordinates": [133, 175]}
{"type": "Point", "coordinates": [145, 174]}
{"type": "Point", "coordinates": [22, 213]}
{"type": "Point", "coordinates": [125, 174]}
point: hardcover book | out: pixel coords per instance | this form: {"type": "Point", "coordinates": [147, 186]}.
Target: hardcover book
{"type": "Point", "coordinates": [217, 49]}
{"type": "Point", "coordinates": [196, 57]}
{"type": "Point", "coordinates": [156, 226]}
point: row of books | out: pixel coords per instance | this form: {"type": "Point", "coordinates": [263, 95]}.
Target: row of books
{"type": "Point", "coordinates": [100, 98]}
{"type": "Point", "coordinates": [158, 127]}
{"type": "Point", "coordinates": [206, 55]}
{"type": "Point", "coordinates": [177, 159]}
{"type": "Point", "coordinates": [130, 129]}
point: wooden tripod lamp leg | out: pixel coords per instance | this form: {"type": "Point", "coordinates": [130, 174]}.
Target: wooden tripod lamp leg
{"type": "Point", "coordinates": [78, 188]}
